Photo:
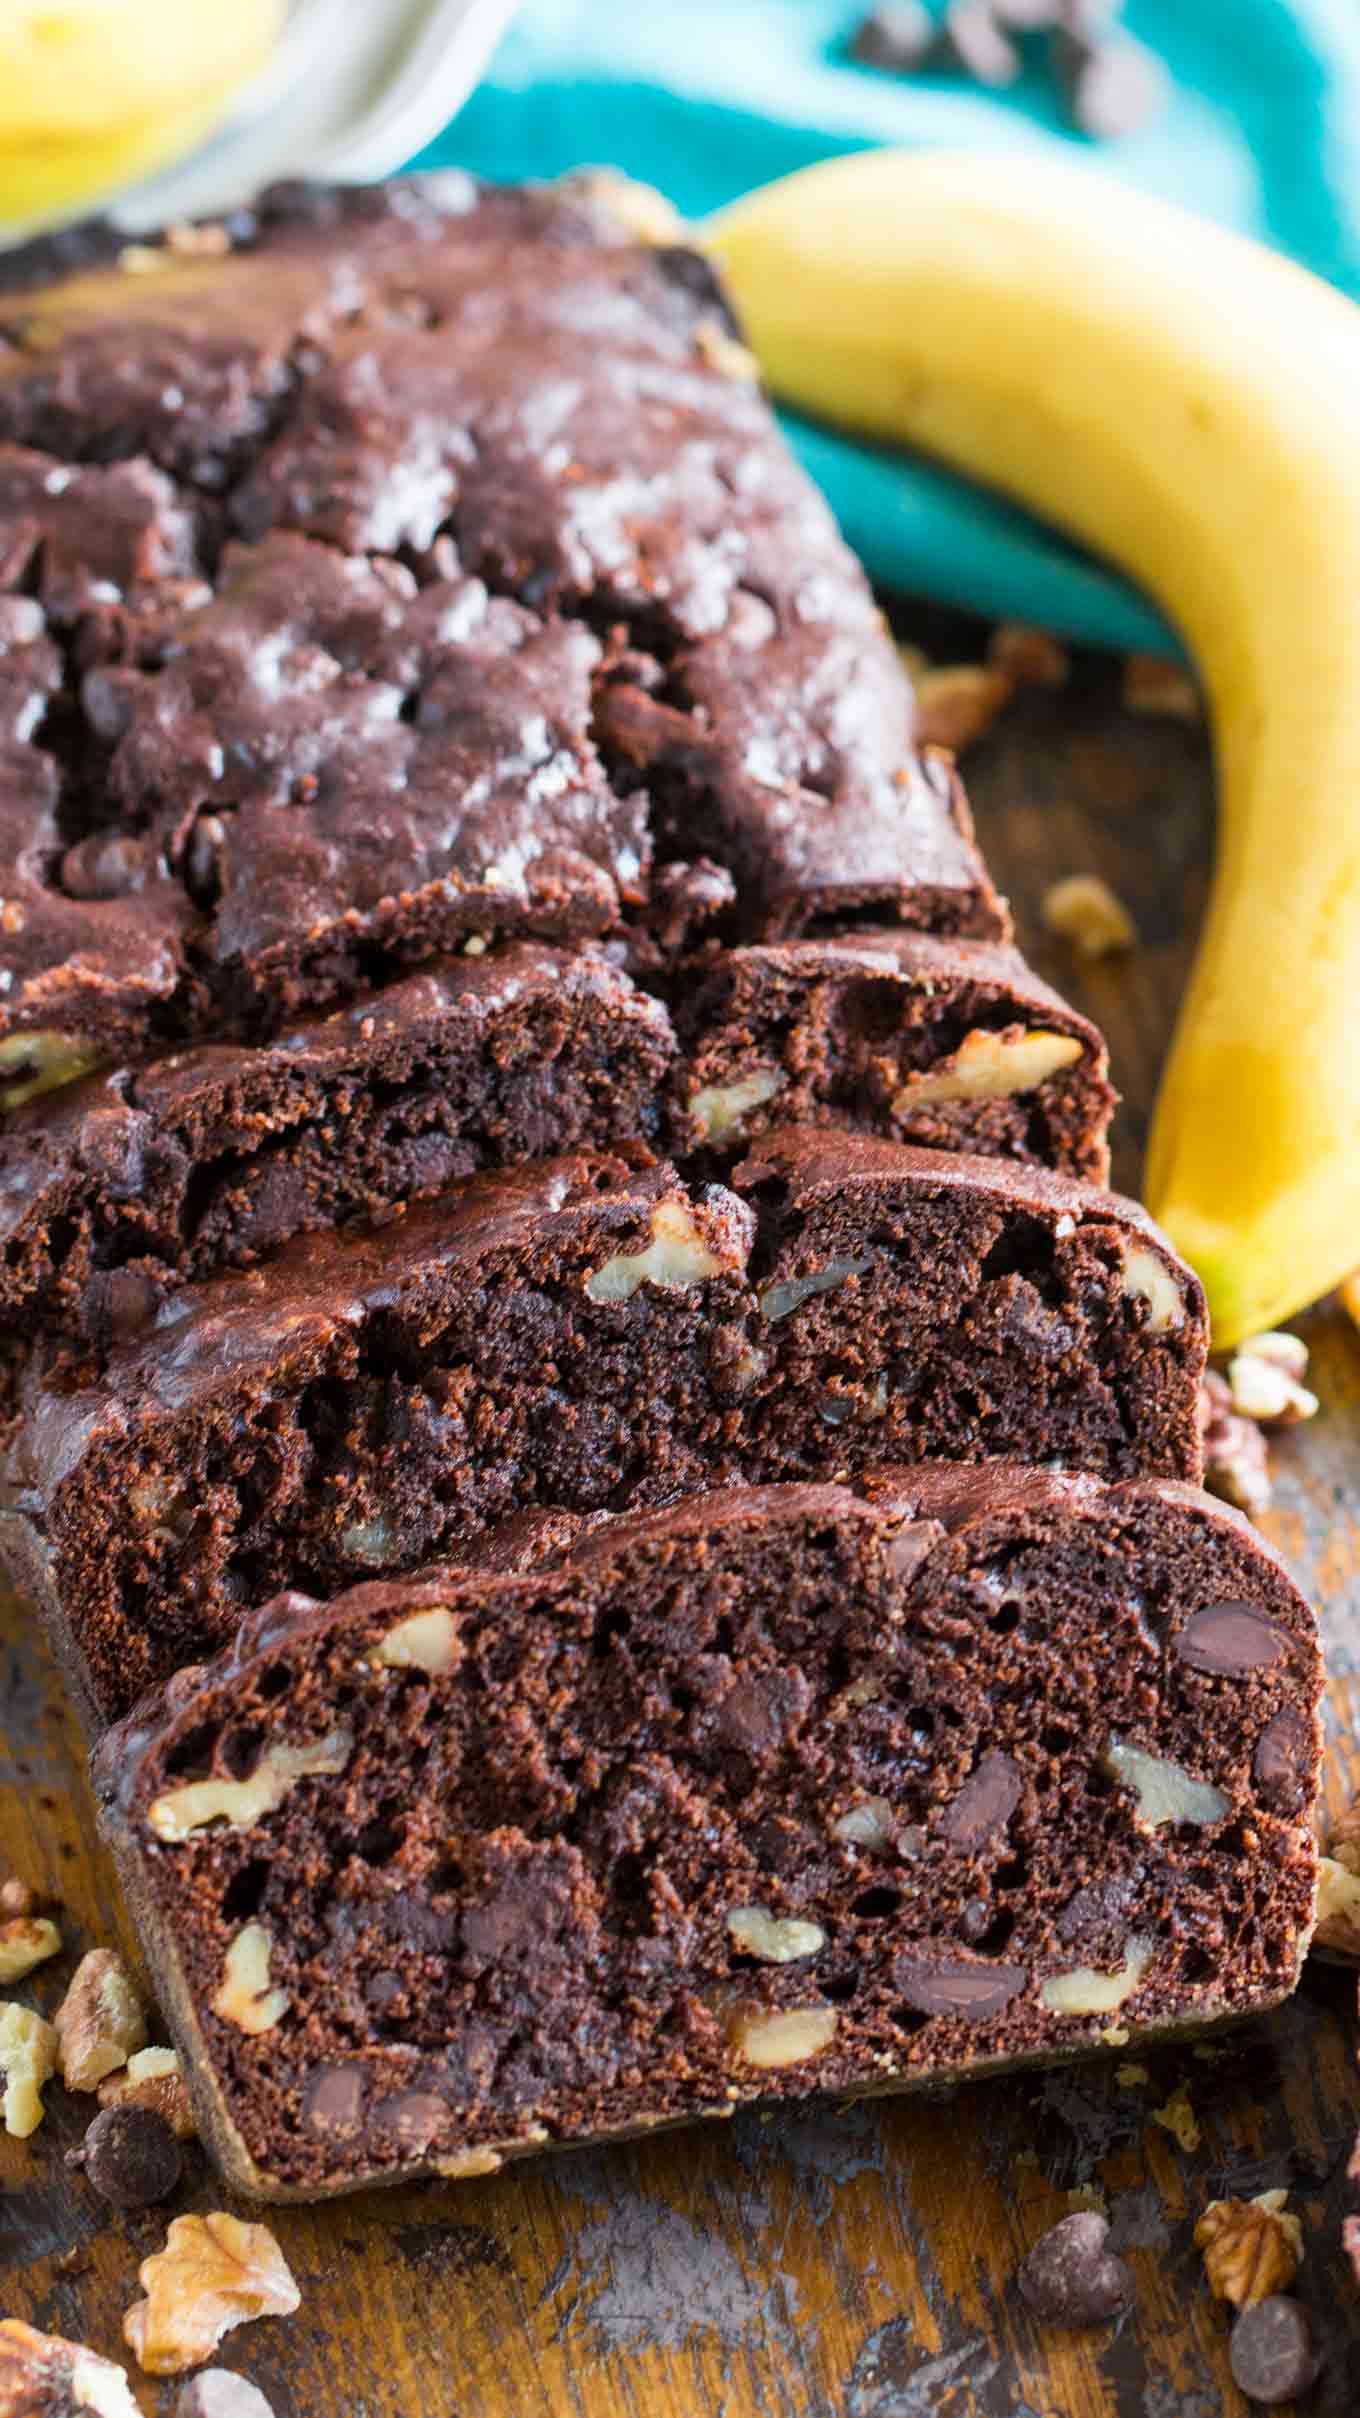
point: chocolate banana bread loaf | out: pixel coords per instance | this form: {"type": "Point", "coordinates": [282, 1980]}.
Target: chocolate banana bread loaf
{"type": "Point", "coordinates": [390, 565]}
{"type": "Point", "coordinates": [584, 1336]}
{"type": "Point", "coordinates": [776, 1790]}
{"type": "Point", "coordinates": [951, 1044]}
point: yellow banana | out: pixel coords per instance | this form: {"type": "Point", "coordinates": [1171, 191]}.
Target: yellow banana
{"type": "Point", "coordinates": [1188, 403]}
{"type": "Point", "coordinates": [96, 92]}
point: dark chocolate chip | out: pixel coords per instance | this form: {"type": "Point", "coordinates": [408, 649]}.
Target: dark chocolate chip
{"type": "Point", "coordinates": [971, 1991]}
{"type": "Point", "coordinates": [1098, 1909]}
{"type": "Point", "coordinates": [334, 2100]}
{"type": "Point", "coordinates": [117, 1303]}
{"type": "Point", "coordinates": [761, 1711]}
{"type": "Point", "coordinates": [1281, 1763]}
{"type": "Point", "coordinates": [898, 35]}
{"type": "Point", "coordinates": [130, 2157]}
{"type": "Point", "coordinates": [984, 1804]}
{"type": "Point", "coordinates": [1271, 2351]}
{"type": "Point", "coordinates": [1071, 2276]}
{"type": "Point", "coordinates": [413, 2118]}
{"type": "Point", "coordinates": [109, 864]}
{"type": "Point", "coordinates": [1229, 1639]}
{"type": "Point", "coordinates": [217, 2393]}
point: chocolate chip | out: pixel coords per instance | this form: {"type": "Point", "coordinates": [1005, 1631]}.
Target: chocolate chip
{"type": "Point", "coordinates": [118, 1302]}
{"type": "Point", "coordinates": [971, 1991]}
{"type": "Point", "coordinates": [130, 2157]}
{"type": "Point", "coordinates": [1228, 1639]}
{"type": "Point", "coordinates": [333, 2102]}
{"type": "Point", "coordinates": [217, 2393]}
{"type": "Point", "coordinates": [412, 2118]}
{"type": "Point", "coordinates": [760, 1713]}
{"type": "Point", "coordinates": [107, 865]}
{"type": "Point", "coordinates": [1281, 1763]}
{"type": "Point", "coordinates": [897, 36]}
{"type": "Point", "coordinates": [1271, 2351]}
{"type": "Point", "coordinates": [984, 1804]}
{"type": "Point", "coordinates": [1071, 2277]}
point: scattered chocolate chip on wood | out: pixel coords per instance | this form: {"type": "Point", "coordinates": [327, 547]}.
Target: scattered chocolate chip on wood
{"type": "Point", "coordinates": [130, 2157]}
{"type": "Point", "coordinates": [1072, 2277]}
{"type": "Point", "coordinates": [1271, 2351]}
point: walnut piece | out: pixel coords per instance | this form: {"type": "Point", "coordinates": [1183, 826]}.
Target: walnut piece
{"type": "Point", "coordinates": [26, 1940]}
{"type": "Point", "coordinates": [1147, 1278]}
{"type": "Point", "coordinates": [1337, 1934]}
{"type": "Point", "coordinates": [641, 209]}
{"type": "Point", "coordinates": [214, 2273]}
{"type": "Point", "coordinates": [1265, 1380]}
{"type": "Point", "coordinates": [1236, 1463]}
{"type": "Point", "coordinates": [44, 1061]}
{"type": "Point", "coordinates": [44, 2376]}
{"type": "Point", "coordinates": [461, 2165]}
{"type": "Point", "coordinates": [424, 1641]}
{"type": "Point", "coordinates": [1084, 910]}
{"type": "Point", "coordinates": [990, 1066]}
{"type": "Point", "coordinates": [1033, 658]}
{"type": "Point", "coordinates": [719, 349]}
{"type": "Point", "coordinates": [1164, 1791]}
{"type": "Point", "coordinates": [775, 1939]}
{"type": "Point", "coordinates": [871, 1823]}
{"type": "Point", "coordinates": [100, 2021]}
{"type": "Point", "coordinates": [957, 703]}
{"type": "Point", "coordinates": [1177, 2117]}
{"type": "Point", "coordinates": [28, 2059]}
{"type": "Point", "coordinates": [153, 2078]}
{"type": "Point", "coordinates": [676, 1258]}
{"type": "Point", "coordinates": [1154, 685]}
{"type": "Point", "coordinates": [1252, 2248]}
{"type": "Point", "coordinates": [239, 1803]}
{"type": "Point", "coordinates": [1087, 1991]}
{"type": "Point", "coordinates": [720, 1110]}
{"type": "Point", "coordinates": [244, 1996]}
{"type": "Point", "coordinates": [780, 2036]}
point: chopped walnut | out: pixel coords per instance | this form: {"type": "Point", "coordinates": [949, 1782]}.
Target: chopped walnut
{"type": "Point", "coordinates": [44, 2376]}
{"type": "Point", "coordinates": [1155, 685]}
{"type": "Point", "coordinates": [28, 2059]}
{"type": "Point", "coordinates": [676, 1258]}
{"type": "Point", "coordinates": [1265, 1380]}
{"type": "Point", "coordinates": [1146, 1277]}
{"type": "Point", "coordinates": [214, 2273]}
{"type": "Point", "coordinates": [990, 1066]}
{"type": "Point", "coordinates": [1084, 909]}
{"type": "Point", "coordinates": [780, 2036]}
{"type": "Point", "coordinates": [719, 349]}
{"type": "Point", "coordinates": [191, 242]}
{"type": "Point", "coordinates": [1088, 1991]}
{"type": "Point", "coordinates": [154, 2079]}
{"type": "Point", "coordinates": [244, 1995]}
{"type": "Point", "coordinates": [100, 2021]}
{"type": "Point", "coordinates": [774, 1939]}
{"type": "Point", "coordinates": [1337, 1934]}
{"type": "Point", "coordinates": [1236, 1462]}
{"type": "Point", "coordinates": [1032, 658]}
{"type": "Point", "coordinates": [1162, 1791]}
{"type": "Point", "coordinates": [1251, 2247]}
{"type": "Point", "coordinates": [642, 209]}
{"type": "Point", "coordinates": [43, 1061]}
{"type": "Point", "coordinates": [1178, 2118]}
{"type": "Point", "coordinates": [242, 1803]}
{"type": "Point", "coordinates": [26, 1941]}
{"type": "Point", "coordinates": [957, 703]}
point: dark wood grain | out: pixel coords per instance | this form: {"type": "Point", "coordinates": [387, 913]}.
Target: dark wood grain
{"type": "Point", "coordinates": [855, 2261]}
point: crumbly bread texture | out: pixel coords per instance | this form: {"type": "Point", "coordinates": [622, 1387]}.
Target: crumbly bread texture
{"type": "Point", "coordinates": [584, 1336]}
{"type": "Point", "coordinates": [424, 563]}
{"type": "Point", "coordinates": [775, 1790]}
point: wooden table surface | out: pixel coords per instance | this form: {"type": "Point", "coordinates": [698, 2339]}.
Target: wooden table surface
{"type": "Point", "coordinates": [839, 2263]}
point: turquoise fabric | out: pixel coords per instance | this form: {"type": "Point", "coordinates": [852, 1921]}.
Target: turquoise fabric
{"type": "Point", "coordinates": [707, 98]}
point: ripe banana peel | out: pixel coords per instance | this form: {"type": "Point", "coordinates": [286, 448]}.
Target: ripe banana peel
{"type": "Point", "coordinates": [1188, 403]}
{"type": "Point", "coordinates": [96, 92]}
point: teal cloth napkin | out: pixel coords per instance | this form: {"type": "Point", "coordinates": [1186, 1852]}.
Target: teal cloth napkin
{"type": "Point", "coordinates": [707, 98]}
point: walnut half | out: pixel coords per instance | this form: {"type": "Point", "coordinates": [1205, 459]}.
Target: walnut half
{"type": "Point", "coordinates": [214, 2273]}
{"type": "Point", "coordinates": [1252, 2248]}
